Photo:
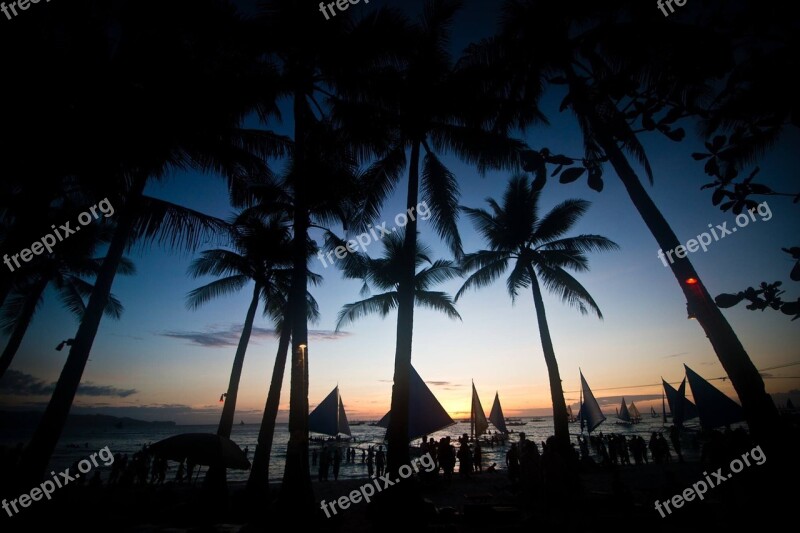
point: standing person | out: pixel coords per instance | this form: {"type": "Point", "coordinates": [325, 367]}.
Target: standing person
{"type": "Point", "coordinates": [476, 458]}
{"type": "Point", "coordinates": [370, 459]}
{"type": "Point", "coordinates": [363, 456]}
{"type": "Point", "coordinates": [337, 461]}
{"type": "Point", "coordinates": [464, 460]}
{"type": "Point", "coordinates": [380, 461]}
{"type": "Point", "coordinates": [512, 462]}
{"type": "Point", "coordinates": [314, 457]}
{"type": "Point", "coordinates": [179, 475]}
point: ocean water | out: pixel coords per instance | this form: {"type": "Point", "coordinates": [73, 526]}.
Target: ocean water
{"type": "Point", "coordinates": [76, 445]}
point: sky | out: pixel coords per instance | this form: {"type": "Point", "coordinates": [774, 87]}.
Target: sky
{"type": "Point", "coordinates": [162, 361]}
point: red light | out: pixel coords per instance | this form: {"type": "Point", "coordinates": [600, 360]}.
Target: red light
{"type": "Point", "coordinates": [691, 281]}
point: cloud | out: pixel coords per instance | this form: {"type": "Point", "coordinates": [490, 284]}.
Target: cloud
{"type": "Point", "coordinates": [216, 337]}
{"type": "Point", "coordinates": [20, 384]}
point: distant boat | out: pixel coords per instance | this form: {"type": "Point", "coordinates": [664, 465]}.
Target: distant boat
{"type": "Point", "coordinates": [478, 424]}
{"type": "Point", "coordinates": [589, 414]}
{"type": "Point", "coordinates": [636, 416]}
{"type": "Point", "coordinates": [357, 423]}
{"type": "Point", "coordinates": [496, 416]}
{"type": "Point", "coordinates": [653, 413]}
{"type": "Point", "coordinates": [714, 408]}
{"type": "Point", "coordinates": [685, 409]}
{"type": "Point", "coordinates": [425, 414]}
{"type": "Point", "coordinates": [329, 418]}
{"type": "Point", "coordinates": [514, 422]}
{"type": "Point", "coordinates": [623, 415]}
{"type": "Point", "coordinates": [241, 422]}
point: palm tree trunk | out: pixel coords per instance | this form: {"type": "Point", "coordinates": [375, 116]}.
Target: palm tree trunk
{"type": "Point", "coordinates": [397, 433]}
{"type": "Point", "coordinates": [259, 474]}
{"type": "Point", "coordinates": [297, 492]}
{"type": "Point", "coordinates": [759, 409]}
{"type": "Point", "coordinates": [23, 322]}
{"type": "Point", "coordinates": [37, 455]}
{"type": "Point", "coordinates": [560, 423]}
{"type": "Point", "coordinates": [229, 409]}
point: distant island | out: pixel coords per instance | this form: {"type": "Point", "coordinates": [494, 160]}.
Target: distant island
{"type": "Point", "coordinates": [29, 419]}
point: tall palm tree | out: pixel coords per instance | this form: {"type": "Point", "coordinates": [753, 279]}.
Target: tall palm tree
{"type": "Point", "coordinates": [309, 72]}
{"type": "Point", "coordinates": [159, 75]}
{"type": "Point", "coordinates": [541, 255]}
{"type": "Point", "coordinates": [429, 107]}
{"type": "Point", "coordinates": [385, 273]}
{"type": "Point", "coordinates": [577, 45]}
{"type": "Point", "coordinates": [259, 254]}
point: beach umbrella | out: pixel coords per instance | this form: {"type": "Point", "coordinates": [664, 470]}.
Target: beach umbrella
{"type": "Point", "coordinates": [202, 449]}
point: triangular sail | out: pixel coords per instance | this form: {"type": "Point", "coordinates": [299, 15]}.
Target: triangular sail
{"type": "Point", "coordinates": [789, 404]}
{"type": "Point", "coordinates": [426, 415]}
{"type": "Point", "coordinates": [689, 409]}
{"type": "Point", "coordinates": [344, 426]}
{"type": "Point", "coordinates": [329, 417]}
{"type": "Point", "coordinates": [653, 413]}
{"type": "Point", "coordinates": [680, 405]}
{"type": "Point", "coordinates": [623, 413]}
{"type": "Point", "coordinates": [590, 413]}
{"type": "Point", "coordinates": [635, 415]}
{"type": "Point", "coordinates": [496, 416]}
{"type": "Point", "coordinates": [478, 422]}
{"type": "Point", "coordinates": [714, 407]}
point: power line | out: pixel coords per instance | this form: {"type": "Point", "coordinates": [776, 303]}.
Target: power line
{"type": "Point", "coordinates": [723, 378]}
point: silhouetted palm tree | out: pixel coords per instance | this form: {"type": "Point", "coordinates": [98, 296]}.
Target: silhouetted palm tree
{"type": "Point", "coordinates": [259, 254]}
{"type": "Point", "coordinates": [65, 275]}
{"type": "Point", "coordinates": [539, 254]}
{"type": "Point", "coordinates": [428, 107]}
{"type": "Point", "coordinates": [384, 274]}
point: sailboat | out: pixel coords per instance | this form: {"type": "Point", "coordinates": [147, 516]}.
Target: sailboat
{"type": "Point", "coordinates": [653, 413]}
{"type": "Point", "coordinates": [589, 414]}
{"type": "Point", "coordinates": [623, 414]}
{"type": "Point", "coordinates": [329, 418]}
{"type": "Point", "coordinates": [425, 414]}
{"type": "Point", "coordinates": [496, 416]}
{"type": "Point", "coordinates": [687, 409]}
{"type": "Point", "coordinates": [714, 408]}
{"type": "Point", "coordinates": [636, 416]}
{"type": "Point", "coordinates": [478, 424]}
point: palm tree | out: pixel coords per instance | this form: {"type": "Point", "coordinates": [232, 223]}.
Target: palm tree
{"type": "Point", "coordinates": [66, 277]}
{"type": "Point", "coordinates": [541, 256]}
{"type": "Point", "coordinates": [259, 253]}
{"type": "Point", "coordinates": [577, 45]}
{"type": "Point", "coordinates": [160, 83]}
{"type": "Point", "coordinates": [384, 274]}
{"type": "Point", "coordinates": [64, 270]}
{"type": "Point", "coordinates": [428, 107]}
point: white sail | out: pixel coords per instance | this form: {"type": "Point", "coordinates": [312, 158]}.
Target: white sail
{"type": "Point", "coordinates": [425, 414]}
{"type": "Point", "coordinates": [496, 416]}
{"type": "Point", "coordinates": [329, 417]}
{"type": "Point", "coordinates": [590, 413]}
{"type": "Point", "coordinates": [623, 413]}
{"type": "Point", "coordinates": [478, 422]}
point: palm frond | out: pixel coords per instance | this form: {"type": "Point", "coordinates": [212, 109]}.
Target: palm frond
{"type": "Point", "coordinates": [488, 267]}
{"type": "Point", "coordinates": [437, 301]}
{"type": "Point", "coordinates": [380, 304]}
{"type": "Point", "coordinates": [568, 289]}
{"type": "Point", "coordinates": [440, 188]}
{"type": "Point", "coordinates": [202, 295]}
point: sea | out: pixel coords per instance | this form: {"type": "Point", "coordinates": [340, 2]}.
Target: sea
{"type": "Point", "coordinates": [76, 445]}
